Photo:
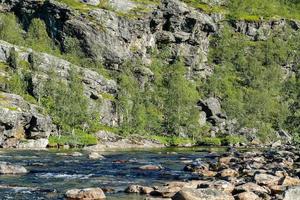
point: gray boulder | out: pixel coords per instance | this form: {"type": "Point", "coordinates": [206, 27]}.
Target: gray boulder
{"type": "Point", "coordinates": [211, 106]}
{"type": "Point", "coordinates": [7, 168]}
{"type": "Point", "coordinates": [292, 193]}
{"type": "Point", "coordinates": [87, 193]}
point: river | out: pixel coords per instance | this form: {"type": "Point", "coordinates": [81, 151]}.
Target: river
{"type": "Point", "coordinates": [52, 172]}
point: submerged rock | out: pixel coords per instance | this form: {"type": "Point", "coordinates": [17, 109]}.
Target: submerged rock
{"type": "Point", "coordinates": [76, 154]}
{"type": "Point", "coordinates": [85, 194]}
{"type": "Point", "coordinates": [7, 168]}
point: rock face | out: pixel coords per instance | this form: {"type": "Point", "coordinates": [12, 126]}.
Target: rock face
{"type": "Point", "coordinates": [185, 30]}
{"type": "Point", "coordinates": [7, 168]}
{"type": "Point", "coordinates": [85, 194]}
{"type": "Point", "coordinates": [21, 123]}
{"type": "Point", "coordinates": [94, 84]}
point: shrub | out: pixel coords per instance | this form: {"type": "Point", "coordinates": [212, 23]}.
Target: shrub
{"type": "Point", "coordinates": [171, 140]}
{"type": "Point", "coordinates": [233, 139]}
{"type": "Point", "coordinates": [37, 37]}
{"type": "Point", "coordinates": [10, 29]}
{"type": "Point", "coordinates": [210, 141]}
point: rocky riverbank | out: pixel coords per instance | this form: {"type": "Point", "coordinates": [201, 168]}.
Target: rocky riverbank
{"type": "Point", "coordinates": [240, 174]}
{"type": "Point", "coordinates": [267, 174]}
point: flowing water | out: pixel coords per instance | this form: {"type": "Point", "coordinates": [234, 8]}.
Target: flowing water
{"type": "Point", "coordinates": [53, 172]}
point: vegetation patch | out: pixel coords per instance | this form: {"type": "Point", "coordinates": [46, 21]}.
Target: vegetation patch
{"type": "Point", "coordinates": [77, 139]}
{"type": "Point", "coordinates": [210, 141]}
{"type": "Point", "coordinates": [172, 140]}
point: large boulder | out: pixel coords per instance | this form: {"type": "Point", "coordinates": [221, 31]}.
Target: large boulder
{"type": "Point", "coordinates": [201, 194]}
{"type": "Point", "coordinates": [292, 193]}
{"type": "Point", "coordinates": [7, 168]}
{"type": "Point", "coordinates": [85, 194]}
{"type": "Point", "coordinates": [211, 106]}
{"type": "Point", "coordinates": [266, 179]}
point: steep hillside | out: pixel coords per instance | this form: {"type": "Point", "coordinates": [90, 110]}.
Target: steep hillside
{"type": "Point", "coordinates": [206, 72]}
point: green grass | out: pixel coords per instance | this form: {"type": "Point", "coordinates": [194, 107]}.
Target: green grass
{"type": "Point", "coordinates": [77, 5]}
{"type": "Point", "coordinates": [3, 66]}
{"type": "Point", "coordinates": [12, 108]}
{"type": "Point", "coordinates": [108, 96]}
{"type": "Point", "coordinates": [79, 139]}
{"type": "Point", "coordinates": [205, 7]}
{"type": "Point", "coordinates": [210, 141]}
{"type": "Point", "coordinates": [172, 140]}
{"type": "Point", "coordinates": [232, 139]}
{"type": "Point", "coordinates": [251, 10]}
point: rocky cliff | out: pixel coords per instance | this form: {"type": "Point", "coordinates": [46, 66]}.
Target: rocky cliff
{"type": "Point", "coordinates": [124, 31]}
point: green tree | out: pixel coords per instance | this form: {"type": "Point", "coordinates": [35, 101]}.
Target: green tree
{"type": "Point", "coordinates": [10, 29]}
{"type": "Point", "coordinates": [180, 99]}
{"type": "Point", "coordinates": [249, 79]}
{"type": "Point", "coordinates": [38, 38]}
{"type": "Point", "coordinates": [65, 101]}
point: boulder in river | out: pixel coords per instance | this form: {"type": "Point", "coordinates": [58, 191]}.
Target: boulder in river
{"type": "Point", "coordinates": [85, 194]}
{"type": "Point", "coordinates": [151, 167]}
{"type": "Point", "coordinates": [76, 154]}
{"type": "Point", "coordinates": [7, 168]}
{"type": "Point", "coordinates": [95, 156]}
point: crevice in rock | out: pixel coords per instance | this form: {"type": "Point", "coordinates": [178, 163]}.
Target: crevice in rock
{"type": "Point", "coordinates": [31, 125]}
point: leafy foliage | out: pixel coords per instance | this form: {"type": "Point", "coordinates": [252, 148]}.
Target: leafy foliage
{"type": "Point", "coordinates": [163, 105]}
{"type": "Point", "coordinates": [10, 29]}
{"type": "Point", "coordinates": [249, 79]}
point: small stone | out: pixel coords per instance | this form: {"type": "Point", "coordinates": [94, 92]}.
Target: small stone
{"type": "Point", "coordinates": [247, 196]}
{"type": "Point", "coordinates": [219, 185]}
{"type": "Point", "coordinates": [95, 156]}
{"type": "Point", "coordinates": [206, 173]}
{"type": "Point", "coordinates": [165, 191]}
{"type": "Point", "coordinates": [76, 154]}
{"type": "Point", "coordinates": [133, 189]}
{"type": "Point", "coordinates": [151, 167]}
{"type": "Point", "coordinates": [226, 160]}
{"type": "Point", "coordinates": [229, 173]}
